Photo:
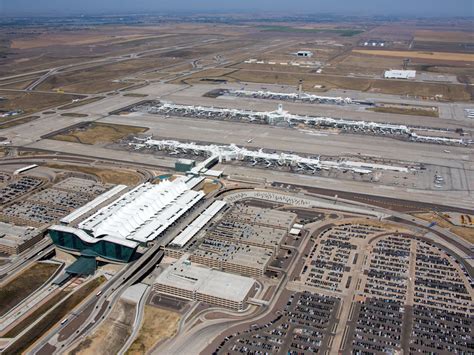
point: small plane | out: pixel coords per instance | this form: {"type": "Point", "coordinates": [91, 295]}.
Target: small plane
{"type": "Point", "coordinates": [250, 140]}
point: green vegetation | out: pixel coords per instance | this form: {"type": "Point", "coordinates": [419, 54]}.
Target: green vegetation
{"type": "Point", "coordinates": [344, 32]}
{"type": "Point", "coordinates": [74, 114]}
{"type": "Point", "coordinates": [54, 316]}
{"type": "Point", "coordinates": [24, 285]}
{"type": "Point", "coordinates": [132, 94]}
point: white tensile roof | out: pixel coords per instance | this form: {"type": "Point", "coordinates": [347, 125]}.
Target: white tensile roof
{"type": "Point", "coordinates": [145, 212]}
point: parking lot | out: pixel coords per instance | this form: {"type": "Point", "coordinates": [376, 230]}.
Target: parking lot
{"type": "Point", "coordinates": [51, 204]}
{"type": "Point", "coordinates": [303, 326]}
{"type": "Point", "coordinates": [413, 297]}
{"type": "Point", "coordinates": [18, 188]}
{"type": "Point", "coordinates": [329, 262]}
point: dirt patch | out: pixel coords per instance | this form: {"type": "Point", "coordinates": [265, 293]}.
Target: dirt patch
{"type": "Point", "coordinates": [24, 285]}
{"type": "Point", "coordinates": [112, 334]}
{"type": "Point", "coordinates": [456, 57]}
{"type": "Point", "coordinates": [107, 176]}
{"type": "Point", "coordinates": [412, 111]}
{"type": "Point", "coordinates": [209, 187]}
{"type": "Point", "coordinates": [463, 232]}
{"type": "Point", "coordinates": [98, 133]}
{"type": "Point", "coordinates": [158, 325]}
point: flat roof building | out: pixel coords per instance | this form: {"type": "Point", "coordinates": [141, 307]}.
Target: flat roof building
{"type": "Point", "coordinates": [250, 225]}
{"type": "Point", "coordinates": [14, 239]}
{"type": "Point", "coordinates": [192, 282]}
{"type": "Point", "coordinates": [306, 54]}
{"type": "Point", "coordinates": [229, 256]}
{"type": "Point", "coordinates": [400, 74]}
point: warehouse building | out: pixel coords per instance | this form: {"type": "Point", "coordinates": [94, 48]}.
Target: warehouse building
{"type": "Point", "coordinates": [191, 282]}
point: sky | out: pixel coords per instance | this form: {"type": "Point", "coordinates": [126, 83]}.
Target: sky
{"type": "Point", "coordinates": [350, 7]}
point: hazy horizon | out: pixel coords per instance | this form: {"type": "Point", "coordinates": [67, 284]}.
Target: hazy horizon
{"type": "Point", "coordinates": [343, 7]}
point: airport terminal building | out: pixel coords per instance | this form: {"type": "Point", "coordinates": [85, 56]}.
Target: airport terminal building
{"type": "Point", "coordinates": [136, 218]}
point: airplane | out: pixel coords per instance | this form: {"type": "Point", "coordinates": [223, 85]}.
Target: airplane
{"type": "Point", "coordinates": [250, 140]}
{"type": "Point", "coordinates": [447, 151]}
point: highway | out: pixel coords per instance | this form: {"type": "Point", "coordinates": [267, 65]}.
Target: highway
{"type": "Point", "coordinates": [25, 259]}
{"type": "Point", "coordinates": [111, 293]}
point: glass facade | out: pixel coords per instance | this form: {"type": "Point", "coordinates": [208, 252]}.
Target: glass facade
{"type": "Point", "coordinates": [104, 249]}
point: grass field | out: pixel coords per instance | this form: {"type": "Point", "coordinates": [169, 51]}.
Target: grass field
{"type": "Point", "coordinates": [463, 232]}
{"type": "Point", "coordinates": [30, 102]}
{"type": "Point", "coordinates": [442, 56]}
{"type": "Point", "coordinates": [98, 133]}
{"type": "Point", "coordinates": [111, 335]}
{"type": "Point", "coordinates": [412, 111]}
{"type": "Point", "coordinates": [108, 176]}
{"type": "Point", "coordinates": [444, 36]}
{"type": "Point", "coordinates": [54, 313]}
{"type": "Point", "coordinates": [74, 114]}
{"type": "Point", "coordinates": [81, 103]}
{"type": "Point", "coordinates": [132, 94]}
{"type": "Point", "coordinates": [13, 123]}
{"type": "Point", "coordinates": [158, 325]}
{"type": "Point", "coordinates": [453, 92]}
{"type": "Point", "coordinates": [102, 78]}
{"type": "Point", "coordinates": [24, 285]}
{"type": "Point", "coordinates": [340, 31]}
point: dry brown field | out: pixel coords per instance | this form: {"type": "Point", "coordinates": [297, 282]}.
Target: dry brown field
{"type": "Point", "coordinates": [98, 133]}
{"type": "Point", "coordinates": [30, 102]}
{"type": "Point", "coordinates": [456, 57]}
{"type": "Point", "coordinates": [444, 36]}
{"type": "Point", "coordinates": [463, 232]}
{"type": "Point", "coordinates": [111, 335]}
{"type": "Point", "coordinates": [107, 176]}
{"type": "Point", "coordinates": [453, 92]}
{"type": "Point", "coordinates": [158, 325]}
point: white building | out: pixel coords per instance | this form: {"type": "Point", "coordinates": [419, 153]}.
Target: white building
{"type": "Point", "coordinates": [306, 54]}
{"type": "Point", "coordinates": [400, 74]}
{"type": "Point", "coordinates": [143, 213]}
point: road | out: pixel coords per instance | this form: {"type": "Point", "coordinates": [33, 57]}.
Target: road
{"type": "Point", "coordinates": [111, 293]}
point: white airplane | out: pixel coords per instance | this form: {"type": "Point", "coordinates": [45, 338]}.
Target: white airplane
{"type": "Point", "coordinates": [250, 140]}
{"type": "Point", "coordinates": [447, 151]}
